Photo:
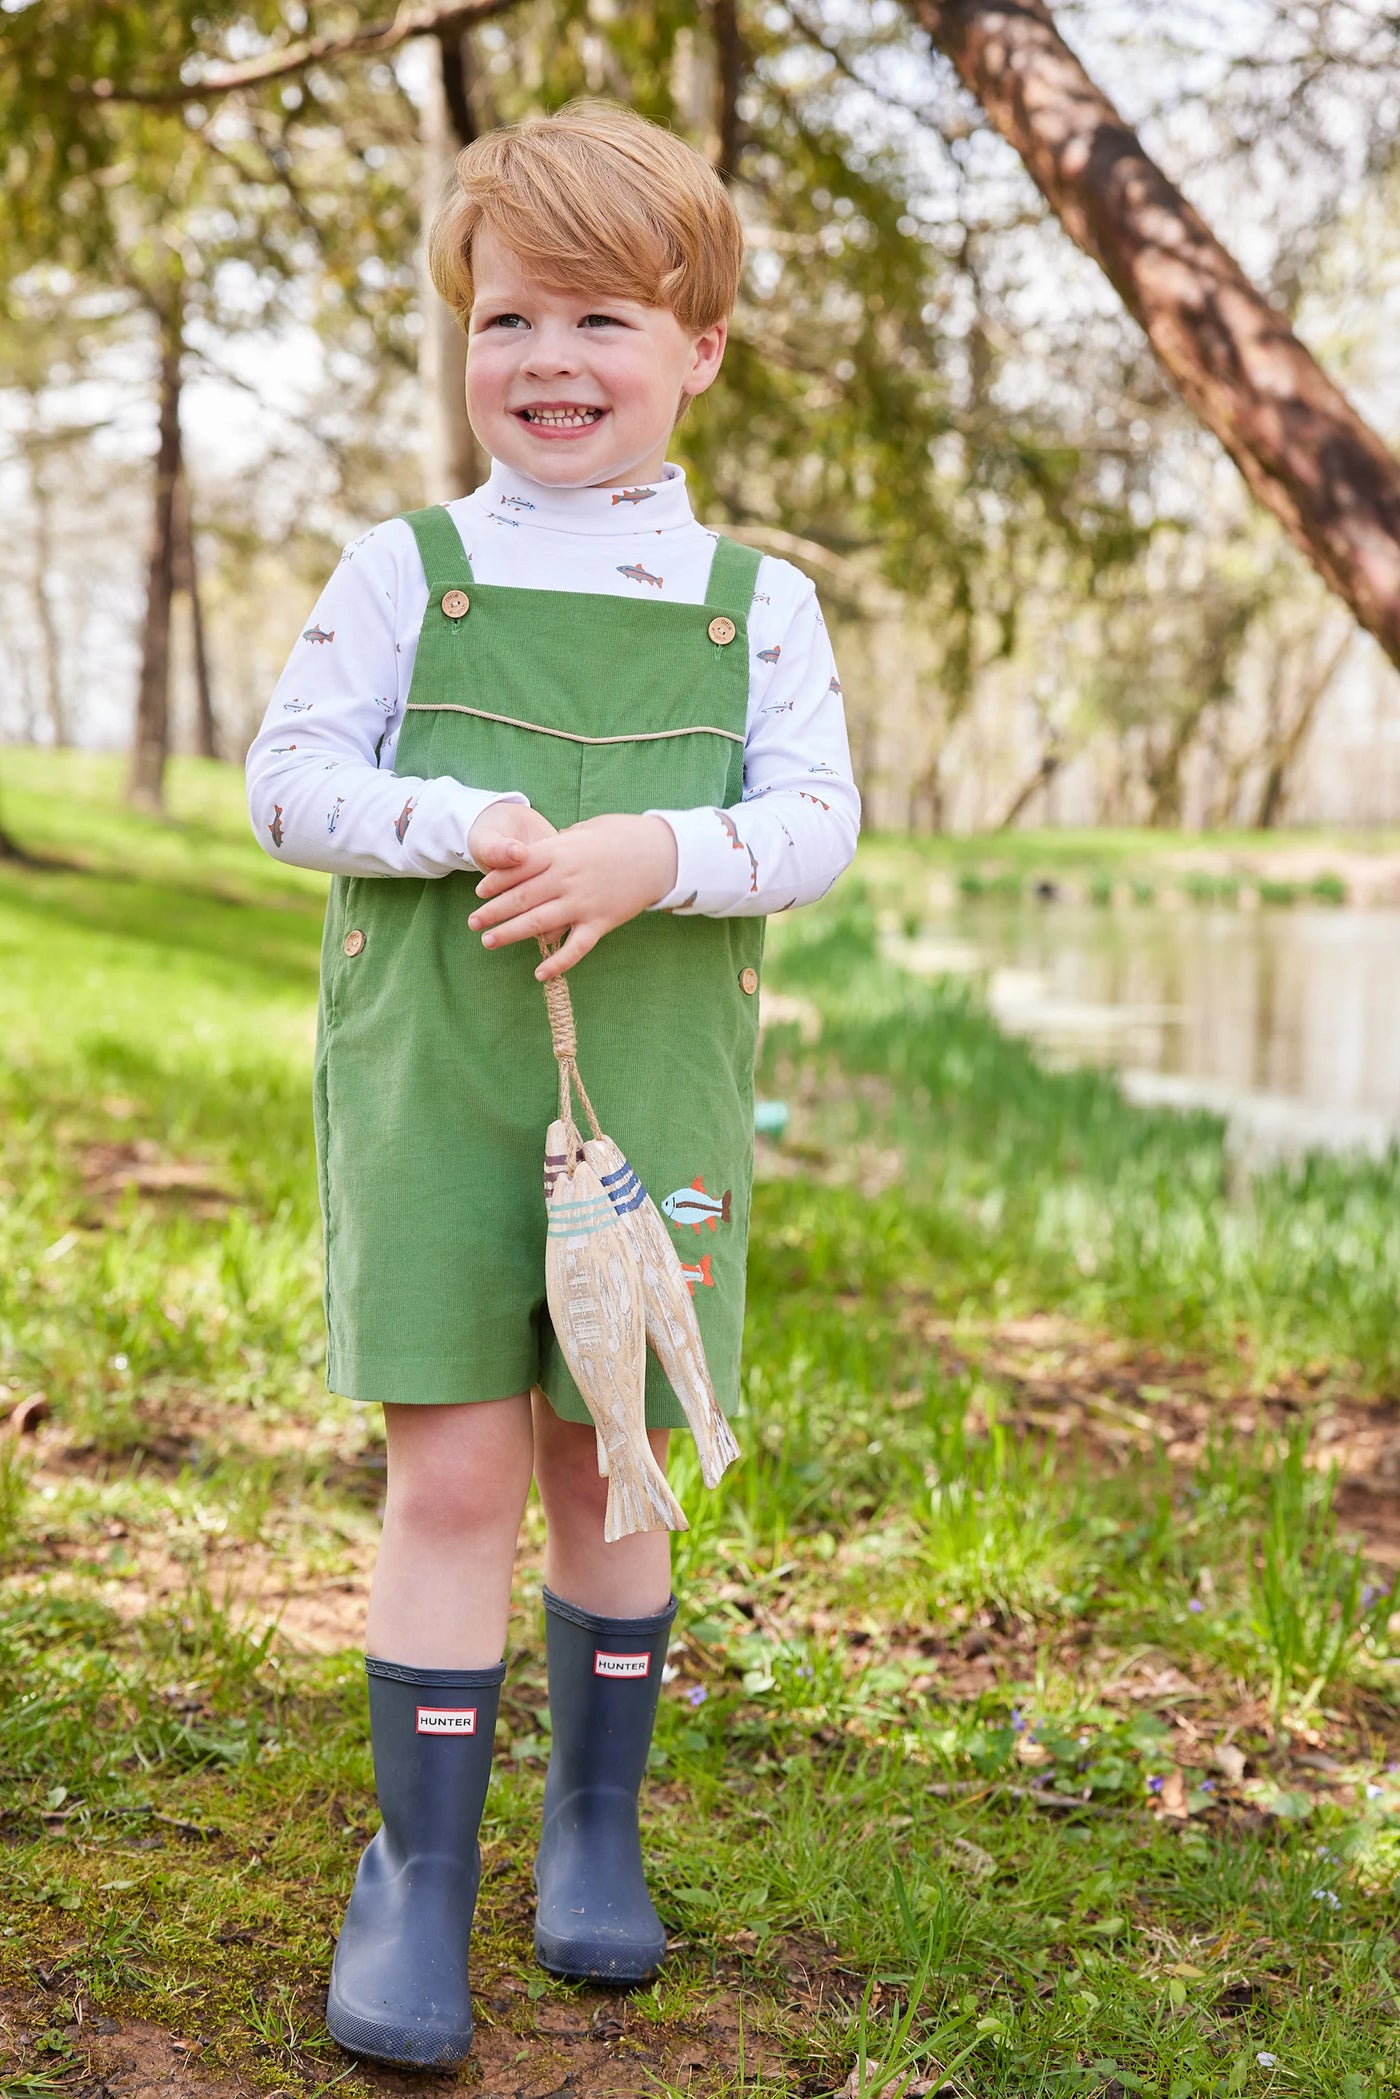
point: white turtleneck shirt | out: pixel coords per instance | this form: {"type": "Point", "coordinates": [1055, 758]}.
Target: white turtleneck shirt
{"type": "Point", "coordinates": [321, 787]}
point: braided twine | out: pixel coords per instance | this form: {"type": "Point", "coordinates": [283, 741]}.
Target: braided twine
{"type": "Point", "coordinates": [560, 1007]}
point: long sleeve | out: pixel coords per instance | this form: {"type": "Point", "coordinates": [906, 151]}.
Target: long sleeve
{"type": "Point", "coordinates": [321, 792]}
{"type": "Point", "coordinates": [795, 830]}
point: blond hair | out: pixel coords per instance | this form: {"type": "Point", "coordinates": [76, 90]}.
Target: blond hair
{"type": "Point", "coordinates": [594, 199]}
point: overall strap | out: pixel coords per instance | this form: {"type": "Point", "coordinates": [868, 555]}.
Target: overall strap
{"type": "Point", "coordinates": [440, 547]}
{"type": "Point", "coordinates": [733, 576]}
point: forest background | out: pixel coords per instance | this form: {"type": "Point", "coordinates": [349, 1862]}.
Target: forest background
{"type": "Point", "coordinates": [1056, 601]}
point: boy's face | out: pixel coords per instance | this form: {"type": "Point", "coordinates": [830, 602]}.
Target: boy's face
{"type": "Point", "coordinates": [578, 391]}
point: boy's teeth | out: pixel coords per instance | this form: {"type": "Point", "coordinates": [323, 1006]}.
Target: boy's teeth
{"type": "Point", "coordinates": [568, 418]}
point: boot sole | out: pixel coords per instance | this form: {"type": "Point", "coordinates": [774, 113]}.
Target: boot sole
{"type": "Point", "coordinates": [407, 2045]}
{"type": "Point", "coordinates": [578, 1964]}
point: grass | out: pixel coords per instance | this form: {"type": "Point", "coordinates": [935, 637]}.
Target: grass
{"type": "Point", "coordinates": [1034, 1713]}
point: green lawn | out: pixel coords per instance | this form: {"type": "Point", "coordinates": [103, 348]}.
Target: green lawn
{"type": "Point", "coordinates": [1034, 1713]}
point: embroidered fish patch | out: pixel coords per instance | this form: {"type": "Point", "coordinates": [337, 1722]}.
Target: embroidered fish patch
{"type": "Point", "coordinates": [698, 1272]}
{"type": "Point", "coordinates": [333, 815]}
{"type": "Point", "coordinates": [632, 495]}
{"type": "Point", "coordinates": [318, 634]}
{"type": "Point", "coordinates": [771, 655]}
{"type": "Point", "coordinates": [692, 1206]}
{"type": "Point", "coordinates": [275, 827]}
{"type": "Point", "coordinates": [405, 818]}
{"type": "Point", "coordinates": [635, 573]}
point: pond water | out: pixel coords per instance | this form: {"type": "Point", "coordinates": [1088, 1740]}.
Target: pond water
{"type": "Point", "coordinates": [1287, 1021]}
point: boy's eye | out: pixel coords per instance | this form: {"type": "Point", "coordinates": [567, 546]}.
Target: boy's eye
{"type": "Point", "coordinates": [600, 320]}
{"type": "Point", "coordinates": [508, 320]}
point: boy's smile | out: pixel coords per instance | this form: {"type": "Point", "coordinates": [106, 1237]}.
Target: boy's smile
{"type": "Point", "coordinates": [581, 391]}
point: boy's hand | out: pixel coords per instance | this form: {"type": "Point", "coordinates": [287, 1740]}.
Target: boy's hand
{"type": "Point", "coordinates": [584, 880]}
{"type": "Point", "coordinates": [502, 835]}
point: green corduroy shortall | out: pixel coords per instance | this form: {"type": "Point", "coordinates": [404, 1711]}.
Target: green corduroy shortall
{"type": "Point", "coordinates": [435, 1081]}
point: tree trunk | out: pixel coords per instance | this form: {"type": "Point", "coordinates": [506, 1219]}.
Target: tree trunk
{"type": "Point", "coordinates": [187, 580]}
{"type": "Point", "coordinates": [729, 76]}
{"type": "Point", "coordinates": [1303, 450]}
{"type": "Point", "coordinates": [43, 603]}
{"type": "Point", "coordinates": [453, 462]}
{"type": "Point", "coordinates": [151, 743]}
{"type": "Point", "coordinates": [1278, 777]}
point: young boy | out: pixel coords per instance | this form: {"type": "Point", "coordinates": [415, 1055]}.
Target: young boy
{"type": "Point", "coordinates": [556, 707]}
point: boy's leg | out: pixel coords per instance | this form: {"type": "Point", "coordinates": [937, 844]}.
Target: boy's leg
{"type": "Point", "coordinates": [458, 1477]}
{"type": "Point", "coordinates": [608, 1617]}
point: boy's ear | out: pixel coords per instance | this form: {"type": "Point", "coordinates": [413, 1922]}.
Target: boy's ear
{"type": "Point", "coordinates": [707, 352]}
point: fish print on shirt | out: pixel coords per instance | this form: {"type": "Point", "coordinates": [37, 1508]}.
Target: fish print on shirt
{"type": "Point", "coordinates": [753, 871]}
{"type": "Point", "coordinates": [275, 827]}
{"type": "Point", "coordinates": [761, 597]}
{"type": "Point", "coordinates": [692, 1206]}
{"type": "Point", "coordinates": [803, 796]}
{"type": "Point", "coordinates": [684, 904]}
{"type": "Point", "coordinates": [498, 519]}
{"type": "Point", "coordinates": [333, 816]}
{"type": "Point", "coordinates": [835, 686]}
{"type": "Point", "coordinates": [385, 706]}
{"type": "Point", "coordinates": [771, 655]}
{"type": "Point", "coordinates": [282, 750]}
{"type": "Point", "coordinates": [296, 706]}
{"type": "Point", "coordinates": [727, 820]}
{"type": "Point", "coordinates": [318, 634]}
{"type": "Point", "coordinates": [517, 503]}
{"type": "Point", "coordinates": [824, 768]}
{"type": "Point", "coordinates": [698, 1272]}
{"type": "Point", "coordinates": [755, 794]}
{"type": "Point", "coordinates": [791, 841]}
{"type": "Point", "coordinates": [635, 573]}
{"type": "Point", "coordinates": [405, 818]}
{"type": "Point", "coordinates": [632, 495]}
{"type": "Point", "coordinates": [779, 707]}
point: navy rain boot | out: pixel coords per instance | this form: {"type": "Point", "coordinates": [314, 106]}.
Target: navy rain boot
{"type": "Point", "coordinates": [399, 1981]}
{"type": "Point", "coordinates": [595, 1921]}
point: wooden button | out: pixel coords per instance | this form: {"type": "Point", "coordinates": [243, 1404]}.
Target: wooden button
{"type": "Point", "coordinates": [722, 630]}
{"type": "Point", "coordinates": [354, 942]}
{"type": "Point", "coordinates": [748, 980]}
{"type": "Point", "coordinates": [456, 604]}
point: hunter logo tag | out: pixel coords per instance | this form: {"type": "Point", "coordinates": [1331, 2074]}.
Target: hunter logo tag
{"type": "Point", "coordinates": [620, 1664]}
{"type": "Point", "coordinates": [447, 1719]}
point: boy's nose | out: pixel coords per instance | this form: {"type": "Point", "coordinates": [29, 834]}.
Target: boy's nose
{"type": "Point", "coordinates": [551, 353]}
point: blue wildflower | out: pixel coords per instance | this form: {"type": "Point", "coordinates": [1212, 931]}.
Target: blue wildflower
{"type": "Point", "coordinates": [696, 1695]}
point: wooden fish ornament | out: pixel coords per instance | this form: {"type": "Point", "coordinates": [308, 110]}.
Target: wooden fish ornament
{"type": "Point", "coordinates": [672, 1330]}
{"type": "Point", "coordinates": [594, 1289]}
{"type": "Point", "coordinates": [614, 1286]}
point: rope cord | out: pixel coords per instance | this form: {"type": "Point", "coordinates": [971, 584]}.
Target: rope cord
{"type": "Point", "coordinates": [564, 1036]}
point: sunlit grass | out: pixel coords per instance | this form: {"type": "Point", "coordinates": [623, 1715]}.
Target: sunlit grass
{"type": "Point", "coordinates": [976, 1852]}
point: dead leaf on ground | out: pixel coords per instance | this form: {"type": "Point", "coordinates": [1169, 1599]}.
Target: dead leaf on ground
{"type": "Point", "coordinates": [1171, 1801]}
{"type": "Point", "coordinates": [1230, 1762]}
{"type": "Point", "coordinates": [932, 2086]}
{"type": "Point", "coordinates": [24, 1417]}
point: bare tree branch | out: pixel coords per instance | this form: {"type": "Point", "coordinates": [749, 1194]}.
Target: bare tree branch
{"type": "Point", "coordinates": [371, 42]}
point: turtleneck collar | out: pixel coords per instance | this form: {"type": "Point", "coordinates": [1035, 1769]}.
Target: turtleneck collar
{"type": "Point", "coordinates": [651, 506]}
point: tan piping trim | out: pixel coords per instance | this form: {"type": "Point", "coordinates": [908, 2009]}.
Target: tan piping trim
{"type": "Point", "coordinates": [642, 735]}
